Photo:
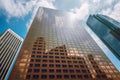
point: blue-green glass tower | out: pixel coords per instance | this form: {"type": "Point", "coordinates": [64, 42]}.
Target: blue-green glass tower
{"type": "Point", "coordinates": [108, 30]}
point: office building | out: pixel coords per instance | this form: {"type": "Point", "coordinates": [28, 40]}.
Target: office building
{"type": "Point", "coordinates": [9, 45]}
{"type": "Point", "coordinates": [108, 30]}
{"type": "Point", "coordinates": [57, 47]}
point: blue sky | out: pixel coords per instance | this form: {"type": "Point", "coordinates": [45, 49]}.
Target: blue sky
{"type": "Point", "coordinates": [18, 14]}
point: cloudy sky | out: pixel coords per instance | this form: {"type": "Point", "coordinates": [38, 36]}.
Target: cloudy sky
{"type": "Point", "coordinates": [18, 14]}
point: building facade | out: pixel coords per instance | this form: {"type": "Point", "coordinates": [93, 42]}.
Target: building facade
{"type": "Point", "coordinates": [108, 30]}
{"type": "Point", "coordinates": [9, 45]}
{"type": "Point", "coordinates": [57, 47]}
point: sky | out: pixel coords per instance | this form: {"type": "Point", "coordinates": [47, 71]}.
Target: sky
{"type": "Point", "coordinates": [18, 14]}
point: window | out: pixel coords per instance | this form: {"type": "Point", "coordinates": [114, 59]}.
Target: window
{"type": "Point", "coordinates": [63, 61]}
{"type": "Point", "coordinates": [31, 65]}
{"type": "Point", "coordinates": [70, 66]}
{"type": "Point", "coordinates": [58, 70]}
{"type": "Point", "coordinates": [71, 70]}
{"type": "Point", "coordinates": [44, 65]}
{"type": "Point", "coordinates": [73, 76]}
{"type": "Point", "coordinates": [37, 60]}
{"type": "Point", "coordinates": [76, 66]}
{"type": "Point", "coordinates": [43, 76]}
{"type": "Point", "coordinates": [62, 53]}
{"type": "Point", "coordinates": [38, 52]}
{"type": "Point", "coordinates": [104, 76]}
{"type": "Point", "coordinates": [32, 60]}
{"type": "Point", "coordinates": [33, 56]}
{"type": "Point", "coordinates": [33, 52]}
{"type": "Point", "coordinates": [38, 56]}
{"type": "Point", "coordinates": [68, 57]}
{"type": "Point", "coordinates": [35, 42]}
{"type": "Point", "coordinates": [80, 62]}
{"type": "Point", "coordinates": [50, 56]}
{"type": "Point", "coordinates": [56, 53]}
{"type": "Point", "coordinates": [40, 45]}
{"type": "Point", "coordinates": [34, 48]}
{"type": "Point", "coordinates": [44, 60]}
{"type": "Point", "coordinates": [61, 50]}
{"type": "Point", "coordinates": [84, 71]}
{"type": "Point", "coordinates": [35, 76]}
{"type": "Point", "coordinates": [57, 61]}
{"type": "Point", "coordinates": [58, 65]}
{"type": "Point", "coordinates": [98, 76]}
{"type": "Point", "coordinates": [51, 70]}
{"type": "Point", "coordinates": [62, 57]}
{"type": "Point", "coordinates": [51, 61]}
{"type": "Point", "coordinates": [80, 76]}
{"type": "Point", "coordinates": [37, 65]}
{"type": "Point", "coordinates": [69, 62]}
{"type": "Point", "coordinates": [56, 56]}
{"type": "Point", "coordinates": [34, 45]}
{"type": "Point", "coordinates": [73, 57]}
{"type": "Point", "coordinates": [59, 76]}
{"type": "Point", "coordinates": [86, 76]}
{"type": "Point", "coordinates": [37, 70]}
{"type": "Point", "coordinates": [74, 61]}
{"type": "Point", "coordinates": [51, 76]}
{"type": "Point", "coordinates": [65, 70]}
{"type": "Point", "coordinates": [44, 56]}
{"type": "Point", "coordinates": [39, 48]}
{"type": "Point", "coordinates": [56, 50]}
{"type": "Point", "coordinates": [64, 65]}
{"type": "Point", "coordinates": [82, 66]}
{"type": "Point", "coordinates": [51, 65]}
{"type": "Point", "coordinates": [77, 71]}
{"type": "Point", "coordinates": [28, 77]}
{"type": "Point", "coordinates": [66, 76]}
{"type": "Point", "coordinates": [50, 52]}
{"type": "Point", "coordinates": [29, 70]}
{"type": "Point", "coordinates": [44, 70]}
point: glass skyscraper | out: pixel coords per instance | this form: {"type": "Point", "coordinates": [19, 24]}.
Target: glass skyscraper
{"type": "Point", "coordinates": [57, 47]}
{"type": "Point", "coordinates": [9, 45]}
{"type": "Point", "coordinates": [108, 30]}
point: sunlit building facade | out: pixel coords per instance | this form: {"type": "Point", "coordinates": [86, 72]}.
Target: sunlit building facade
{"type": "Point", "coordinates": [57, 47]}
{"type": "Point", "coordinates": [108, 30]}
{"type": "Point", "coordinates": [9, 46]}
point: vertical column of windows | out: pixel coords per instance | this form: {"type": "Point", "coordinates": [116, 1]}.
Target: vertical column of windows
{"type": "Point", "coordinates": [4, 44]}
{"type": "Point", "coordinates": [7, 56]}
{"type": "Point", "coordinates": [4, 36]}
{"type": "Point", "coordinates": [6, 47]}
{"type": "Point", "coordinates": [11, 56]}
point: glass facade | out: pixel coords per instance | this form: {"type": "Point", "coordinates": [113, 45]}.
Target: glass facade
{"type": "Point", "coordinates": [57, 47]}
{"type": "Point", "coordinates": [108, 30]}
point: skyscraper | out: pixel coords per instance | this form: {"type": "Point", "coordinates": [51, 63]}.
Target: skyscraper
{"type": "Point", "coordinates": [108, 30]}
{"type": "Point", "coordinates": [57, 47]}
{"type": "Point", "coordinates": [9, 45]}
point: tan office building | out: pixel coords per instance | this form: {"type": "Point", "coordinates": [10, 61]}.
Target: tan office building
{"type": "Point", "coordinates": [57, 47]}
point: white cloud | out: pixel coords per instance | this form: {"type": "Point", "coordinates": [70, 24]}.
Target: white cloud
{"type": "Point", "coordinates": [16, 8]}
{"type": "Point", "coordinates": [40, 3]}
{"type": "Point", "coordinates": [108, 7]}
{"type": "Point", "coordinates": [20, 8]}
{"type": "Point", "coordinates": [113, 12]}
{"type": "Point", "coordinates": [82, 12]}
{"type": "Point", "coordinates": [109, 2]}
{"type": "Point", "coordinates": [46, 3]}
{"type": "Point", "coordinates": [96, 1]}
